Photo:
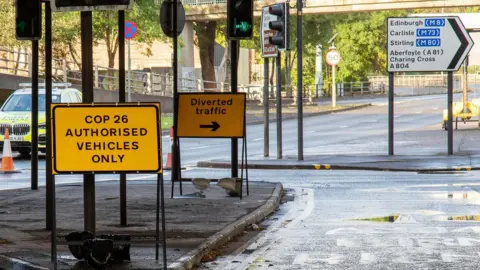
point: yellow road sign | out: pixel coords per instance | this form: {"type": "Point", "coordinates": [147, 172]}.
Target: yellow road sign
{"type": "Point", "coordinates": [106, 138]}
{"type": "Point", "coordinates": [211, 115]}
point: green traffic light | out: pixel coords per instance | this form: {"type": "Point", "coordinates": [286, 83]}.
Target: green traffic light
{"type": "Point", "coordinates": [21, 25]}
{"type": "Point", "coordinates": [243, 26]}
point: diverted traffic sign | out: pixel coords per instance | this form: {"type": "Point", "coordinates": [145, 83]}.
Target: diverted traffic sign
{"type": "Point", "coordinates": [426, 44]}
{"type": "Point", "coordinates": [106, 138]}
{"type": "Point", "coordinates": [211, 115]}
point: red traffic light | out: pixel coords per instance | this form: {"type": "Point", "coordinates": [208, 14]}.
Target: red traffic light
{"type": "Point", "coordinates": [276, 10]}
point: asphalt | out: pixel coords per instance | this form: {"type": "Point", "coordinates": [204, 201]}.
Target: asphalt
{"type": "Point", "coordinates": [366, 220]}
{"type": "Point", "coordinates": [194, 226]}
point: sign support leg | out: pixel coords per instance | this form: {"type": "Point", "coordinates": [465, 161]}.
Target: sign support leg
{"type": "Point", "coordinates": [129, 72]}
{"type": "Point", "coordinates": [233, 69]}
{"type": "Point", "coordinates": [87, 93]}
{"type": "Point", "coordinates": [121, 98]}
{"type": "Point", "coordinates": [390, 113]}
{"type": "Point", "coordinates": [450, 112]}
{"type": "Point", "coordinates": [246, 161]}
{"type": "Point", "coordinates": [242, 167]}
{"type": "Point", "coordinates": [299, 79]}
{"type": "Point", "coordinates": [266, 106]}
{"type": "Point", "coordinates": [334, 86]}
{"type": "Point", "coordinates": [34, 107]}
{"type": "Point", "coordinates": [279, 105]}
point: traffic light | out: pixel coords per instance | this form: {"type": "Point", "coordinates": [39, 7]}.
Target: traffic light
{"type": "Point", "coordinates": [240, 19]}
{"type": "Point", "coordinates": [280, 40]}
{"type": "Point", "coordinates": [28, 19]}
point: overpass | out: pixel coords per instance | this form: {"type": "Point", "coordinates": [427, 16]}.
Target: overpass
{"type": "Point", "coordinates": [211, 10]}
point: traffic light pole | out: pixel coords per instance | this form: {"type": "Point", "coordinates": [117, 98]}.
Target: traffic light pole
{"type": "Point", "coordinates": [87, 93]}
{"type": "Point", "coordinates": [299, 79]}
{"type": "Point", "coordinates": [121, 98]}
{"type": "Point", "coordinates": [34, 146]}
{"type": "Point", "coordinates": [176, 169]}
{"type": "Point", "coordinates": [279, 104]}
{"type": "Point", "coordinates": [233, 76]}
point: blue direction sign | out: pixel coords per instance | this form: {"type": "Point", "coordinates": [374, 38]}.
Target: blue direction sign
{"type": "Point", "coordinates": [131, 30]}
{"type": "Point", "coordinates": [427, 44]}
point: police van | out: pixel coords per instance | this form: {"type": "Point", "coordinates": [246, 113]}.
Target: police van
{"type": "Point", "coordinates": [16, 113]}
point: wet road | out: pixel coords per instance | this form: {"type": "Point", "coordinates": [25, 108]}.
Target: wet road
{"type": "Point", "coordinates": [436, 223]}
{"type": "Point", "coordinates": [354, 132]}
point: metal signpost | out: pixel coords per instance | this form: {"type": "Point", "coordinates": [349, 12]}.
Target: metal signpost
{"type": "Point", "coordinates": [268, 50]}
{"type": "Point", "coordinates": [172, 16]}
{"type": "Point", "coordinates": [109, 138]}
{"type": "Point", "coordinates": [425, 44]}
{"type": "Point", "coordinates": [333, 59]}
{"type": "Point", "coordinates": [89, 168]}
{"type": "Point", "coordinates": [131, 31]}
{"type": "Point", "coordinates": [121, 99]}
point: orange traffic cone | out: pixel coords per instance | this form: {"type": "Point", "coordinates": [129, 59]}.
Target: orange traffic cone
{"type": "Point", "coordinates": [168, 166]}
{"type": "Point", "coordinates": [7, 159]}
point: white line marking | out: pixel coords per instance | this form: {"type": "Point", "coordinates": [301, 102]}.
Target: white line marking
{"type": "Point", "coordinates": [258, 139]}
{"type": "Point", "coordinates": [199, 147]}
{"type": "Point", "coordinates": [398, 115]}
{"type": "Point", "coordinates": [311, 131]}
{"type": "Point", "coordinates": [343, 126]}
{"type": "Point", "coordinates": [301, 259]}
{"type": "Point", "coordinates": [368, 258]}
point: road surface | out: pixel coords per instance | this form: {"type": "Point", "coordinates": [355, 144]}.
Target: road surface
{"type": "Point", "coordinates": [361, 131]}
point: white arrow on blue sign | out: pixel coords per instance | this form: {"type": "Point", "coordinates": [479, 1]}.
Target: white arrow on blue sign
{"type": "Point", "coordinates": [427, 44]}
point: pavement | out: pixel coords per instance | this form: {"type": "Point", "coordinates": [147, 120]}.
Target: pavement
{"type": "Point", "coordinates": [194, 226]}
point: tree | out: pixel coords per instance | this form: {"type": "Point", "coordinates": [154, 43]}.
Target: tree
{"type": "Point", "coordinates": [206, 33]}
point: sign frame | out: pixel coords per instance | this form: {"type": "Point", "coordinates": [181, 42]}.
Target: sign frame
{"type": "Point", "coordinates": [155, 105]}
{"type": "Point", "coordinates": [90, 7]}
{"type": "Point", "coordinates": [464, 54]}
{"type": "Point", "coordinates": [213, 94]}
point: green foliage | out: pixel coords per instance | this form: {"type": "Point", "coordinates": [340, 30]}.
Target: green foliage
{"type": "Point", "coordinates": [66, 29]}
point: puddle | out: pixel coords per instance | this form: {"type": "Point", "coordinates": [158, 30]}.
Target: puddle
{"type": "Point", "coordinates": [379, 219]}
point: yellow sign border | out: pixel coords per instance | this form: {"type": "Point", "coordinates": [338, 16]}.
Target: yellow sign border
{"type": "Point", "coordinates": [215, 94]}
{"type": "Point", "coordinates": [157, 107]}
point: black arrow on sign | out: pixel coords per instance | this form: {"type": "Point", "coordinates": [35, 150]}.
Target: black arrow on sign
{"type": "Point", "coordinates": [463, 40]}
{"type": "Point", "coordinates": [214, 126]}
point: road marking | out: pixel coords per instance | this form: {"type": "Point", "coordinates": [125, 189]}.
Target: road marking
{"type": "Point", "coordinates": [300, 259]}
{"type": "Point", "coordinates": [419, 112]}
{"type": "Point", "coordinates": [308, 209]}
{"type": "Point", "coordinates": [309, 132]}
{"type": "Point", "coordinates": [368, 258]}
{"type": "Point", "coordinates": [258, 139]}
{"type": "Point", "coordinates": [343, 126]}
{"type": "Point", "coordinates": [398, 115]}
{"type": "Point", "coordinates": [199, 147]}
